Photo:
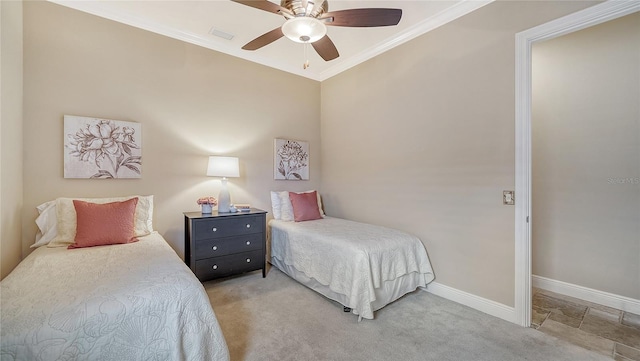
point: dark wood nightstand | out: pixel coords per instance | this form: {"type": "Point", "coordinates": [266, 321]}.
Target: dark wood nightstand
{"type": "Point", "coordinates": [224, 244]}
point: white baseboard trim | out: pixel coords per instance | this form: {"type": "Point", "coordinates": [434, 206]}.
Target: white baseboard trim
{"type": "Point", "coordinates": [476, 302]}
{"type": "Point", "coordinates": [588, 294]}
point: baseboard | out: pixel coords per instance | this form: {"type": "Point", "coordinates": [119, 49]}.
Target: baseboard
{"type": "Point", "coordinates": [588, 294]}
{"type": "Point", "coordinates": [476, 302]}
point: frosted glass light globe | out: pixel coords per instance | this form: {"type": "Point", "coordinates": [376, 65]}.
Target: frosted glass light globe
{"type": "Point", "coordinates": [304, 29]}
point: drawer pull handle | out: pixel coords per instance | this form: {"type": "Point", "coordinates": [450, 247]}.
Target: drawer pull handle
{"type": "Point", "coordinates": [248, 260]}
{"type": "Point", "coordinates": [215, 248]}
{"type": "Point", "coordinates": [214, 229]}
{"type": "Point", "coordinates": [215, 266]}
{"type": "Point", "coordinates": [248, 243]}
{"type": "Point", "coordinates": [248, 226]}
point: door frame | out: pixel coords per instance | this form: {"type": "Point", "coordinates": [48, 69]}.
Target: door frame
{"type": "Point", "coordinates": [591, 16]}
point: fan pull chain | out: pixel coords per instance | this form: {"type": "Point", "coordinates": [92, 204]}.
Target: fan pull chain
{"type": "Point", "coordinates": [305, 65]}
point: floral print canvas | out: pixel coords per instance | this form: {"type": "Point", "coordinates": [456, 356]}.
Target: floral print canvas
{"type": "Point", "coordinates": [102, 148]}
{"type": "Point", "coordinates": [291, 160]}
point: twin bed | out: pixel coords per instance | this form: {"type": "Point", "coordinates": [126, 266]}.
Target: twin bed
{"type": "Point", "coordinates": [361, 266]}
{"type": "Point", "coordinates": [133, 301]}
{"type": "Point", "coordinates": [139, 300]}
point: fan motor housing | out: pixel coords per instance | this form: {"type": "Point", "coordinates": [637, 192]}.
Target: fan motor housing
{"type": "Point", "coordinates": [295, 6]}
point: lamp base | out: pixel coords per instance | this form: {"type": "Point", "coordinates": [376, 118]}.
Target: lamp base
{"type": "Point", "coordinates": [224, 198]}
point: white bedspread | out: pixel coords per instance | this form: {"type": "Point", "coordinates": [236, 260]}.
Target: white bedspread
{"type": "Point", "coordinates": [134, 301]}
{"type": "Point", "coordinates": [351, 258]}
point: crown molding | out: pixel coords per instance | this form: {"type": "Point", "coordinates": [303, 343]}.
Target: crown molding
{"type": "Point", "coordinates": [97, 8]}
{"type": "Point", "coordinates": [443, 17]}
{"type": "Point", "coordinates": [454, 12]}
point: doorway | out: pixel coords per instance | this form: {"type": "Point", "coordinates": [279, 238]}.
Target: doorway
{"type": "Point", "coordinates": [524, 40]}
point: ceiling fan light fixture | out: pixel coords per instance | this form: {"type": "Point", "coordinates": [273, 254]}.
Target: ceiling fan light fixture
{"type": "Point", "coordinates": [304, 29]}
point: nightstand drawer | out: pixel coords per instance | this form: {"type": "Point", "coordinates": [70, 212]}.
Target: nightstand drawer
{"type": "Point", "coordinates": [223, 246]}
{"type": "Point", "coordinates": [228, 226]}
{"type": "Point", "coordinates": [227, 265]}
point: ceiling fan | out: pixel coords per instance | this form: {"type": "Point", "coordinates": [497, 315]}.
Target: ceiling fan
{"type": "Point", "coordinates": [307, 22]}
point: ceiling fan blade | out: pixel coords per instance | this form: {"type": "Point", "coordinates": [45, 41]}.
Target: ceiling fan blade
{"type": "Point", "coordinates": [262, 5]}
{"type": "Point", "coordinates": [325, 48]}
{"type": "Point", "coordinates": [364, 17]}
{"type": "Point", "coordinates": [264, 39]}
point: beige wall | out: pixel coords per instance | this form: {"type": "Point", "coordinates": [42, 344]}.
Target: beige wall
{"type": "Point", "coordinates": [421, 138]}
{"type": "Point", "coordinates": [191, 102]}
{"type": "Point", "coordinates": [11, 162]}
{"type": "Point", "coordinates": [586, 157]}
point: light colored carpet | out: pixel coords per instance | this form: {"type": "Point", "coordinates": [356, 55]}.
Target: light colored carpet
{"type": "Point", "coordinates": [276, 318]}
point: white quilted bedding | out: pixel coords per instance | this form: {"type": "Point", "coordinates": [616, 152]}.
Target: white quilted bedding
{"type": "Point", "coordinates": [134, 301]}
{"type": "Point", "coordinates": [350, 258]}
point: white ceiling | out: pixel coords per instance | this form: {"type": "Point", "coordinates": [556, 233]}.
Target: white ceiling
{"type": "Point", "coordinates": [193, 21]}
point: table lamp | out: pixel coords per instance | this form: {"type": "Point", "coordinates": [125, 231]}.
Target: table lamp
{"type": "Point", "coordinates": [223, 167]}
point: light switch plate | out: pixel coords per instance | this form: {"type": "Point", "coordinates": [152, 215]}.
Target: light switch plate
{"type": "Point", "coordinates": [508, 198]}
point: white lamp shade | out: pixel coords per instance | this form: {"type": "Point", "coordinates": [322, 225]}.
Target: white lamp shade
{"type": "Point", "coordinates": [223, 167]}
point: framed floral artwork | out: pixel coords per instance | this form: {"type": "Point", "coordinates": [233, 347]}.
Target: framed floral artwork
{"type": "Point", "coordinates": [101, 148]}
{"type": "Point", "coordinates": [291, 160]}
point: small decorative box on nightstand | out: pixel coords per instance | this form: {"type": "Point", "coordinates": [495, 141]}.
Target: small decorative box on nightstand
{"type": "Point", "coordinates": [224, 244]}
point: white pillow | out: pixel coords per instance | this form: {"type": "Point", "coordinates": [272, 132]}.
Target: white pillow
{"type": "Point", "coordinates": [320, 208]}
{"type": "Point", "coordinates": [66, 217]}
{"type": "Point", "coordinates": [282, 208]}
{"type": "Point", "coordinates": [285, 207]}
{"type": "Point", "coordinates": [47, 224]}
{"type": "Point", "coordinates": [275, 205]}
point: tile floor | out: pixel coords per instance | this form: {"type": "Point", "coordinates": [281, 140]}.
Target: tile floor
{"type": "Point", "coordinates": [595, 327]}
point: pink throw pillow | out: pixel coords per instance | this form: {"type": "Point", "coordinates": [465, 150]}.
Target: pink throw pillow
{"type": "Point", "coordinates": [305, 206]}
{"type": "Point", "coordinates": [103, 224]}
